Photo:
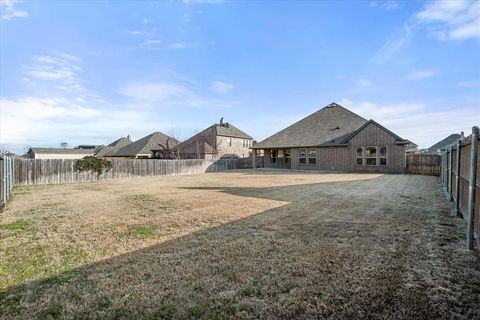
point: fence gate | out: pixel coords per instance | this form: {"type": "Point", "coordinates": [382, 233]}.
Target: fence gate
{"type": "Point", "coordinates": [426, 164]}
{"type": "Point", "coordinates": [6, 179]}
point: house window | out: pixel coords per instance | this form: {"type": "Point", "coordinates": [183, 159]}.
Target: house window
{"type": "Point", "coordinates": [312, 156]}
{"type": "Point", "coordinates": [288, 155]}
{"type": "Point", "coordinates": [230, 142]}
{"type": "Point", "coordinates": [302, 156]}
{"type": "Point", "coordinates": [360, 156]}
{"type": "Point", "coordinates": [371, 156]}
{"type": "Point", "coordinates": [383, 156]}
{"type": "Point", "coordinates": [273, 156]}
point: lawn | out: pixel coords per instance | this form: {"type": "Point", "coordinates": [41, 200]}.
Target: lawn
{"type": "Point", "coordinates": [237, 245]}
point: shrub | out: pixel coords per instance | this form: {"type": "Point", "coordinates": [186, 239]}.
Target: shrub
{"type": "Point", "coordinates": [90, 163]}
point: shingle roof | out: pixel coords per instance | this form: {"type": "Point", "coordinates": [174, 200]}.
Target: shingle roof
{"type": "Point", "coordinates": [332, 122]}
{"type": "Point", "coordinates": [443, 144]}
{"type": "Point", "coordinates": [205, 138]}
{"type": "Point", "coordinates": [229, 130]}
{"type": "Point", "coordinates": [62, 151]}
{"type": "Point", "coordinates": [112, 147]}
{"type": "Point", "coordinates": [145, 145]}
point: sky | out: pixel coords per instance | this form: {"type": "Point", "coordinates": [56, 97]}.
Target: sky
{"type": "Point", "coordinates": [89, 72]}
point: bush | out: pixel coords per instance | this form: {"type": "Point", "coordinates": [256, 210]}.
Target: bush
{"type": "Point", "coordinates": [90, 163]}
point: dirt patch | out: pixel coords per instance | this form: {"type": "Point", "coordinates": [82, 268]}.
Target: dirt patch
{"type": "Point", "coordinates": [237, 245]}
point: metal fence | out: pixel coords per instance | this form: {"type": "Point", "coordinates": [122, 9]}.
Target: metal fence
{"type": "Point", "coordinates": [7, 177]}
{"type": "Point", "coordinates": [460, 169]}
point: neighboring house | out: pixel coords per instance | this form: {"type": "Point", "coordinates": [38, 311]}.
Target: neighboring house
{"type": "Point", "coordinates": [441, 145]}
{"type": "Point", "coordinates": [113, 147]}
{"type": "Point", "coordinates": [142, 148]}
{"type": "Point", "coordinates": [221, 140]}
{"type": "Point", "coordinates": [59, 153]}
{"type": "Point", "coordinates": [335, 139]}
{"type": "Point", "coordinates": [411, 148]}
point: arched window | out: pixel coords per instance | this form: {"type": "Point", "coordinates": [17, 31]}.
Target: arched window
{"type": "Point", "coordinates": [383, 156]}
{"type": "Point", "coordinates": [360, 156]}
{"type": "Point", "coordinates": [371, 156]}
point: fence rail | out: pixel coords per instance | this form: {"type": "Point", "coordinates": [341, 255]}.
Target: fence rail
{"type": "Point", "coordinates": [424, 164]}
{"type": "Point", "coordinates": [460, 172]}
{"type": "Point", "coordinates": [6, 178]}
{"type": "Point", "coordinates": [56, 171]}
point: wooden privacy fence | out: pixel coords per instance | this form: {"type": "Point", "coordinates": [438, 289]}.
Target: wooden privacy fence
{"type": "Point", "coordinates": [55, 171]}
{"type": "Point", "coordinates": [460, 172]}
{"type": "Point", "coordinates": [6, 179]}
{"type": "Point", "coordinates": [425, 164]}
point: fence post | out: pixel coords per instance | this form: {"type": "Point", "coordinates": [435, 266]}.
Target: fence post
{"type": "Point", "coordinates": [254, 160]}
{"type": "Point", "coordinates": [457, 178]}
{"type": "Point", "coordinates": [449, 188]}
{"type": "Point", "coordinates": [472, 185]}
{"type": "Point", "coordinates": [4, 178]}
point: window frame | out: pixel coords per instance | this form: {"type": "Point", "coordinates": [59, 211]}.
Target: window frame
{"type": "Point", "coordinates": [367, 157]}
{"type": "Point", "coordinates": [380, 157]}
{"type": "Point", "coordinates": [273, 159]}
{"type": "Point", "coordinates": [304, 158]}
{"type": "Point", "coordinates": [362, 156]}
{"type": "Point", "coordinates": [309, 157]}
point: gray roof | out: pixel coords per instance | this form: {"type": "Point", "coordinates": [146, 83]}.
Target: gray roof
{"type": "Point", "coordinates": [112, 147]}
{"type": "Point", "coordinates": [331, 123]}
{"type": "Point", "coordinates": [443, 144]}
{"type": "Point", "coordinates": [145, 145]}
{"type": "Point", "coordinates": [228, 130]}
{"type": "Point", "coordinates": [61, 151]}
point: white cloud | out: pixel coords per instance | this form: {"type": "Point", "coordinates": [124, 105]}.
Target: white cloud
{"type": "Point", "coordinates": [394, 44]}
{"type": "Point", "coordinates": [155, 92]}
{"type": "Point", "coordinates": [186, 17]}
{"type": "Point", "coordinates": [468, 84]}
{"type": "Point", "coordinates": [10, 11]}
{"type": "Point", "coordinates": [390, 5]}
{"type": "Point", "coordinates": [419, 74]}
{"type": "Point", "coordinates": [61, 68]}
{"type": "Point", "coordinates": [44, 122]}
{"type": "Point", "coordinates": [152, 42]}
{"type": "Point", "coordinates": [452, 20]}
{"type": "Point", "coordinates": [183, 45]}
{"type": "Point", "coordinates": [169, 95]}
{"type": "Point", "coordinates": [221, 87]}
{"type": "Point", "coordinates": [202, 1]}
{"type": "Point", "coordinates": [416, 121]}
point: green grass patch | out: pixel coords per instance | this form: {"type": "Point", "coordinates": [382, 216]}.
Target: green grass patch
{"type": "Point", "coordinates": [140, 198]}
{"type": "Point", "coordinates": [165, 312]}
{"type": "Point", "coordinates": [52, 312]}
{"type": "Point", "coordinates": [140, 231]}
{"type": "Point", "coordinates": [22, 262]}
{"type": "Point", "coordinates": [16, 226]}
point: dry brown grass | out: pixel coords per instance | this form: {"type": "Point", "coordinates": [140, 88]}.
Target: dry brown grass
{"type": "Point", "coordinates": [243, 245]}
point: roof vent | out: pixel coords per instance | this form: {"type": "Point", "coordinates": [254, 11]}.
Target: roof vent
{"type": "Point", "coordinates": [336, 128]}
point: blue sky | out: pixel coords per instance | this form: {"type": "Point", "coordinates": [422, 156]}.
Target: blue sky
{"type": "Point", "coordinates": [89, 72]}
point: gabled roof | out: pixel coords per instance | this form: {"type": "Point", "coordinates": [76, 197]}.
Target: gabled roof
{"type": "Point", "coordinates": [145, 145]}
{"type": "Point", "coordinates": [350, 136]}
{"type": "Point", "coordinates": [205, 138]}
{"type": "Point", "coordinates": [228, 130]}
{"type": "Point", "coordinates": [331, 123]}
{"type": "Point", "coordinates": [112, 147]}
{"type": "Point", "coordinates": [443, 144]}
{"type": "Point", "coordinates": [61, 151]}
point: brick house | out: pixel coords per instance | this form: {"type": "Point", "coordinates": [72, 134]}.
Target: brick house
{"type": "Point", "coordinates": [143, 148]}
{"type": "Point", "coordinates": [221, 140]}
{"type": "Point", "coordinates": [335, 139]}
